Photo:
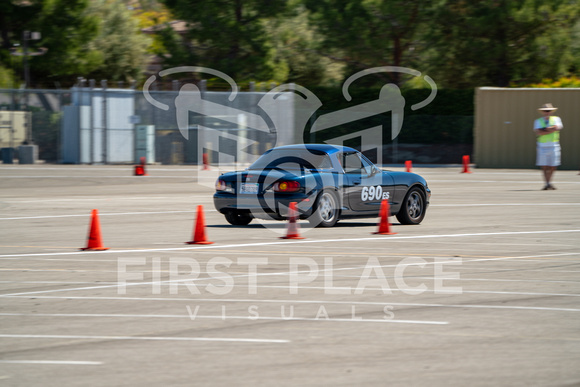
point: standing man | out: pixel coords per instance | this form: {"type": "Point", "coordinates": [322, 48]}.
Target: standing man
{"type": "Point", "coordinates": [547, 129]}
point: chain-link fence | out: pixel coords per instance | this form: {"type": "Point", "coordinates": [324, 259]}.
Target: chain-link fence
{"type": "Point", "coordinates": [90, 124]}
{"type": "Point", "coordinates": [32, 117]}
{"type": "Point", "coordinates": [226, 131]}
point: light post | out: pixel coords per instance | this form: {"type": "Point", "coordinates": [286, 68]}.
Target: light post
{"type": "Point", "coordinates": [26, 36]}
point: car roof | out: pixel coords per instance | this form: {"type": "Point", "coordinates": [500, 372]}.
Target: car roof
{"type": "Point", "coordinates": [327, 148]}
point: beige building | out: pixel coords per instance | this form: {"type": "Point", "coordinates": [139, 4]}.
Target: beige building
{"type": "Point", "coordinates": [504, 118]}
{"type": "Point", "coordinates": [13, 126]}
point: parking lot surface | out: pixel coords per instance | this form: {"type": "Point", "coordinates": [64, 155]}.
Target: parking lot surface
{"type": "Point", "coordinates": [484, 292]}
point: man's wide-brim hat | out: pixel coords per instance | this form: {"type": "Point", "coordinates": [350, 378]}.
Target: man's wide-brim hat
{"type": "Point", "coordinates": [547, 107]}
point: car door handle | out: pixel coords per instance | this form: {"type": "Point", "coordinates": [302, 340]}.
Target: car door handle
{"type": "Point", "coordinates": [356, 182]}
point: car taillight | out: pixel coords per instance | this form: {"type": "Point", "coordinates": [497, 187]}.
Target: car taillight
{"type": "Point", "coordinates": [287, 186]}
{"type": "Point", "coordinates": [221, 185]}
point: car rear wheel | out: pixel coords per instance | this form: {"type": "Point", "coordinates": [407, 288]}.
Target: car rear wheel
{"type": "Point", "coordinates": [326, 210]}
{"type": "Point", "coordinates": [413, 208]}
{"type": "Point", "coordinates": [238, 218]}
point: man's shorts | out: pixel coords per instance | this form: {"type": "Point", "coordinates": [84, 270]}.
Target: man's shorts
{"type": "Point", "coordinates": [548, 154]}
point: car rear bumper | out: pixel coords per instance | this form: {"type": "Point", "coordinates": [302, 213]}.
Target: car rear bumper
{"type": "Point", "coordinates": [272, 205]}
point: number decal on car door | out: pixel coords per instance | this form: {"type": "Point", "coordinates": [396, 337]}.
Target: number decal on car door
{"type": "Point", "coordinates": [373, 193]}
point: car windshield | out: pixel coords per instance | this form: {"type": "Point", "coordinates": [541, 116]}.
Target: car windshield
{"type": "Point", "coordinates": [293, 159]}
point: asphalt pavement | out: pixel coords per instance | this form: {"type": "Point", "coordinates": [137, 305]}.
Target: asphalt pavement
{"type": "Point", "coordinates": [486, 291]}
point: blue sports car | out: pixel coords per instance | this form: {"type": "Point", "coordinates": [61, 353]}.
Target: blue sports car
{"type": "Point", "coordinates": [327, 182]}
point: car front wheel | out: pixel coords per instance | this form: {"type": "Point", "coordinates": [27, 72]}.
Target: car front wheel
{"type": "Point", "coordinates": [413, 208]}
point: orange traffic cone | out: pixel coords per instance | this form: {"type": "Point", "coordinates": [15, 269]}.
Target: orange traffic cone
{"type": "Point", "coordinates": [466, 164]}
{"type": "Point", "coordinates": [94, 241]}
{"type": "Point", "coordinates": [140, 169]}
{"type": "Point", "coordinates": [408, 165]}
{"type": "Point", "coordinates": [199, 237]}
{"type": "Point", "coordinates": [205, 162]}
{"type": "Point", "coordinates": [384, 226]}
{"type": "Point", "coordinates": [293, 231]}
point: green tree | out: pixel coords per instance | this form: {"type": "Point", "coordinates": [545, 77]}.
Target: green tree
{"type": "Point", "coordinates": [229, 35]}
{"type": "Point", "coordinates": [82, 38]}
{"type": "Point", "coordinates": [575, 67]}
{"type": "Point", "coordinates": [119, 41]}
{"type": "Point", "coordinates": [151, 15]}
{"type": "Point", "coordinates": [7, 78]}
{"type": "Point", "coordinates": [295, 41]}
{"type": "Point", "coordinates": [172, 47]}
{"type": "Point", "coordinates": [67, 31]}
{"type": "Point", "coordinates": [370, 33]}
{"type": "Point", "coordinates": [500, 42]}
{"type": "Point", "coordinates": [15, 18]}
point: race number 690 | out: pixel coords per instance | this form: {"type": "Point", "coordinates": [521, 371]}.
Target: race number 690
{"type": "Point", "coordinates": [373, 193]}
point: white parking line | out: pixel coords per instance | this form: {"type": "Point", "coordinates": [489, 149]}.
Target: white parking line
{"type": "Point", "coordinates": [463, 182]}
{"type": "Point", "coordinates": [293, 242]}
{"type": "Point", "coordinates": [82, 168]}
{"type": "Point", "coordinates": [427, 171]}
{"type": "Point", "coordinates": [322, 275]}
{"type": "Point", "coordinates": [97, 177]}
{"type": "Point", "coordinates": [132, 284]}
{"type": "Point", "coordinates": [57, 282]}
{"type": "Point", "coordinates": [503, 204]}
{"type": "Point", "coordinates": [345, 289]}
{"type": "Point", "coordinates": [52, 362]}
{"type": "Point", "coordinates": [501, 280]}
{"type": "Point", "coordinates": [313, 302]}
{"type": "Point", "coordinates": [411, 290]}
{"type": "Point", "coordinates": [85, 198]}
{"type": "Point", "coordinates": [212, 210]}
{"type": "Point", "coordinates": [227, 317]}
{"type": "Point", "coordinates": [101, 214]}
{"type": "Point", "coordinates": [217, 339]}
